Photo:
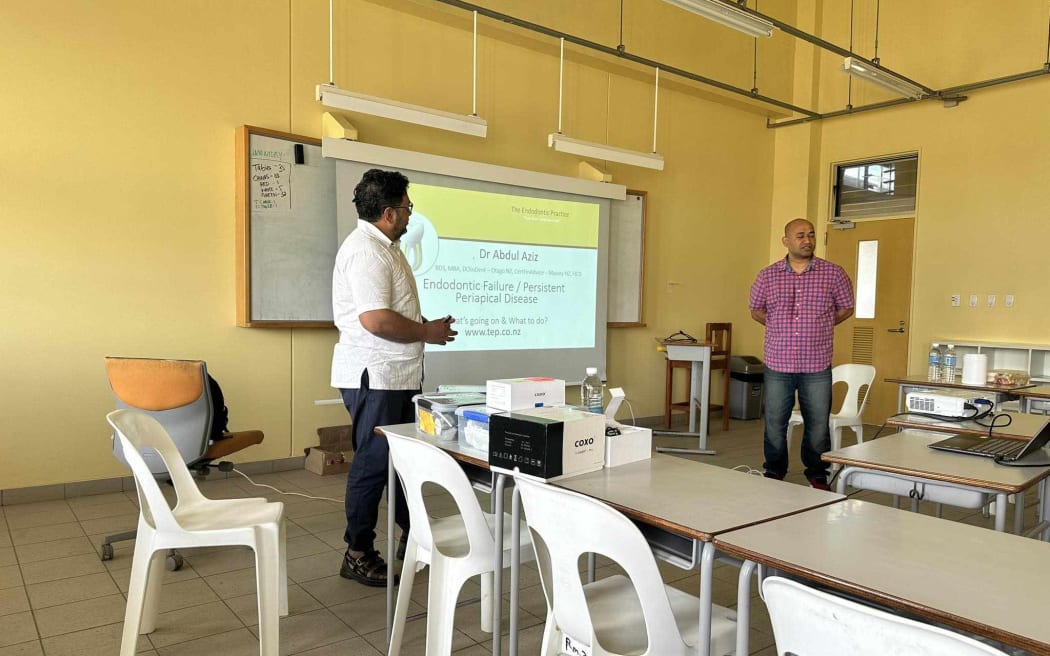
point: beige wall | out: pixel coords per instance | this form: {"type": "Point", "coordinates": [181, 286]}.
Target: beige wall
{"type": "Point", "coordinates": [118, 178]}
{"type": "Point", "coordinates": [983, 198]}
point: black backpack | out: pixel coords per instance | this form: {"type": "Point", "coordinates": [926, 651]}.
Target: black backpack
{"type": "Point", "coordinates": [220, 421]}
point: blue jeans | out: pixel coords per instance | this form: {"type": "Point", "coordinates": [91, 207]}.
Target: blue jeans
{"type": "Point", "coordinates": [814, 399]}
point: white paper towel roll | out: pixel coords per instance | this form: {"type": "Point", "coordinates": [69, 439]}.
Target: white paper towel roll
{"type": "Point", "coordinates": [975, 368]}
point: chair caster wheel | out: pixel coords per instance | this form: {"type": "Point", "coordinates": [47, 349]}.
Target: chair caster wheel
{"type": "Point", "coordinates": [107, 552]}
{"type": "Point", "coordinates": [173, 562]}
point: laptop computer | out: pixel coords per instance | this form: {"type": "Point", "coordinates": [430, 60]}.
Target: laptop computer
{"type": "Point", "coordinates": [999, 448]}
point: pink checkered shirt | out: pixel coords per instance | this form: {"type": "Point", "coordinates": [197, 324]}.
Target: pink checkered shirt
{"type": "Point", "coordinates": [800, 313]}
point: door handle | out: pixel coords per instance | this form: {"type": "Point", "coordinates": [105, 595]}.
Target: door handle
{"type": "Point", "coordinates": [895, 330]}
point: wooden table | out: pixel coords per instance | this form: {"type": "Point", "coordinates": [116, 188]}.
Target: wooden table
{"type": "Point", "coordinates": [906, 457]}
{"type": "Point", "coordinates": [932, 568]}
{"type": "Point", "coordinates": [913, 383]}
{"type": "Point", "coordinates": [1022, 426]}
{"type": "Point", "coordinates": [694, 502]}
{"type": "Point", "coordinates": [1035, 399]}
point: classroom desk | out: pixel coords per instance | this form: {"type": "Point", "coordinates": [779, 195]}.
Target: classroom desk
{"type": "Point", "coordinates": [699, 353]}
{"type": "Point", "coordinates": [921, 565]}
{"type": "Point", "coordinates": [1022, 427]}
{"type": "Point", "coordinates": [1035, 400]}
{"type": "Point", "coordinates": [906, 456]}
{"type": "Point", "coordinates": [694, 502]}
{"type": "Point", "coordinates": [913, 383]}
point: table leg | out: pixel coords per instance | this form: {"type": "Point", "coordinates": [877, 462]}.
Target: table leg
{"type": "Point", "coordinates": [707, 564]}
{"type": "Point", "coordinates": [705, 397]}
{"type": "Point", "coordinates": [1044, 509]}
{"type": "Point", "coordinates": [1000, 511]}
{"type": "Point", "coordinates": [743, 608]}
{"type": "Point", "coordinates": [515, 567]}
{"type": "Point", "coordinates": [840, 484]}
{"type": "Point", "coordinates": [497, 566]}
{"type": "Point", "coordinates": [1019, 513]}
{"type": "Point", "coordinates": [391, 481]}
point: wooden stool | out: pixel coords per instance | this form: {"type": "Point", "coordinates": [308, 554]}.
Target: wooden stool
{"type": "Point", "coordinates": [721, 337]}
{"type": "Point", "coordinates": [669, 404]}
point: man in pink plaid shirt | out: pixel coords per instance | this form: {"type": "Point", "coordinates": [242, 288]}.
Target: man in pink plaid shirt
{"type": "Point", "coordinates": [799, 300]}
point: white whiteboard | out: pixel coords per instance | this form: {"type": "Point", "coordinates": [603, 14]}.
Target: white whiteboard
{"type": "Point", "coordinates": [291, 238]}
{"type": "Point", "coordinates": [626, 260]}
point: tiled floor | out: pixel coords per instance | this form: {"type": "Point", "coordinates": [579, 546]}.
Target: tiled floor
{"type": "Point", "coordinates": [58, 598]}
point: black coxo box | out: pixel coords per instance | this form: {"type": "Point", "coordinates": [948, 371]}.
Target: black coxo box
{"type": "Point", "coordinates": [547, 443]}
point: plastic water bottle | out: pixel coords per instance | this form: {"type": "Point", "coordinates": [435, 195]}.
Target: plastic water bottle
{"type": "Point", "coordinates": [949, 365]}
{"type": "Point", "coordinates": [934, 375]}
{"type": "Point", "coordinates": [592, 391]}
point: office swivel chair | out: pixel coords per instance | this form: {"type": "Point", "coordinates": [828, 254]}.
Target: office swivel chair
{"type": "Point", "coordinates": [176, 394]}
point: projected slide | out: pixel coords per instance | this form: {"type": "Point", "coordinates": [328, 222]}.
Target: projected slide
{"type": "Point", "coordinates": [516, 272]}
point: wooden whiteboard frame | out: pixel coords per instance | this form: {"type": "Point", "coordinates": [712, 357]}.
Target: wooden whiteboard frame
{"type": "Point", "coordinates": [639, 322]}
{"type": "Point", "coordinates": [243, 232]}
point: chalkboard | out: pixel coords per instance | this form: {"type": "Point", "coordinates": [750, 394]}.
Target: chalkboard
{"type": "Point", "coordinates": [627, 260]}
{"type": "Point", "coordinates": [286, 230]}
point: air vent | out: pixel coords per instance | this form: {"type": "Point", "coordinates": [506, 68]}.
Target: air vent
{"type": "Point", "coordinates": [863, 345]}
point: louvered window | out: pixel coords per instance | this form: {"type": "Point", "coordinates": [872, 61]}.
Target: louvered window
{"type": "Point", "coordinates": [882, 187]}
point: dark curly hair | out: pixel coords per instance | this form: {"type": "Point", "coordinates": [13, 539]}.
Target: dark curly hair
{"type": "Point", "coordinates": [377, 190]}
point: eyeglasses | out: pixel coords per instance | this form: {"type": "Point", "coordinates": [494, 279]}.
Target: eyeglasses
{"type": "Point", "coordinates": [403, 207]}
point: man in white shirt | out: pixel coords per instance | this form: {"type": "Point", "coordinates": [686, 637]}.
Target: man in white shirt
{"type": "Point", "coordinates": [378, 363]}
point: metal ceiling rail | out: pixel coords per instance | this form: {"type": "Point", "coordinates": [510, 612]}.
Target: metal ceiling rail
{"type": "Point", "coordinates": [623, 54]}
{"type": "Point", "coordinates": [826, 45]}
{"type": "Point", "coordinates": [947, 94]}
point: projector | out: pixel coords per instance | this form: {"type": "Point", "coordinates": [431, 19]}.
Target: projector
{"type": "Point", "coordinates": [950, 403]}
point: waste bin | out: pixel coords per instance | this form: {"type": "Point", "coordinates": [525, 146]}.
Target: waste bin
{"type": "Point", "coordinates": [745, 387]}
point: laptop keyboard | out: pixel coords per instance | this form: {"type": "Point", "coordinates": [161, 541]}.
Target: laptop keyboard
{"type": "Point", "coordinates": [999, 447]}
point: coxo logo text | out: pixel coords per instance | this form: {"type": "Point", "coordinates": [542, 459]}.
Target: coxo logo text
{"type": "Point", "coordinates": [589, 440]}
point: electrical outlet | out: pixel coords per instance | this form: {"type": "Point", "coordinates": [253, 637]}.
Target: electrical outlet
{"type": "Point", "coordinates": [956, 300]}
{"type": "Point", "coordinates": [1009, 300]}
{"type": "Point", "coordinates": [973, 300]}
{"type": "Point", "coordinates": [991, 300]}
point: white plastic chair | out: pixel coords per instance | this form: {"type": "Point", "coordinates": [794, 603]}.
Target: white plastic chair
{"type": "Point", "coordinates": [633, 614]}
{"type": "Point", "coordinates": [856, 376]}
{"type": "Point", "coordinates": [195, 521]}
{"type": "Point", "coordinates": [813, 623]}
{"type": "Point", "coordinates": [456, 548]}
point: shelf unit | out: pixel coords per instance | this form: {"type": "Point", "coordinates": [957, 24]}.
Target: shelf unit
{"type": "Point", "coordinates": [1033, 358]}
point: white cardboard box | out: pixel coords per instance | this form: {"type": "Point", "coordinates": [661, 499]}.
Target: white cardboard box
{"type": "Point", "coordinates": [632, 444]}
{"type": "Point", "coordinates": [522, 393]}
{"type": "Point", "coordinates": [547, 442]}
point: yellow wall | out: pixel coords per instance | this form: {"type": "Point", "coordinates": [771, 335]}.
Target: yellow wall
{"type": "Point", "coordinates": [983, 197]}
{"type": "Point", "coordinates": [117, 167]}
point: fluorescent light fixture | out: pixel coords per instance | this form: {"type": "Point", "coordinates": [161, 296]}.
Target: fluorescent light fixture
{"type": "Point", "coordinates": [563, 144]}
{"type": "Point", "coordinates": [880, 77]}
{"type": "Point", "coordinates": [336, 98]}
{"type": "Point", "coordinates": [728, 15]}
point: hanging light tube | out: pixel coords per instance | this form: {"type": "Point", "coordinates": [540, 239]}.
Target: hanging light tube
{"type": "Point", "coordinates": [728, 15]}
{"type": "Point", "coordinates": [332, 96]}
{"type": "Point", "coordinates": [563, 144]}
{"type": "Point", "coordinates": [865, 71]}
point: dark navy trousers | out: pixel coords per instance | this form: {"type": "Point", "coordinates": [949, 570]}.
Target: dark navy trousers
{"type": "Point", "coordinates": [369, 408]}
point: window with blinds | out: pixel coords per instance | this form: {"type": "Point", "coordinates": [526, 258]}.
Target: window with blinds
{"type": "Point", "coordinates": [883, 187]}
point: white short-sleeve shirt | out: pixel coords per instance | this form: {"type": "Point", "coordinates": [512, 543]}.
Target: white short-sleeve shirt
{"type": "Point", "coordinates": [371, 273]}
